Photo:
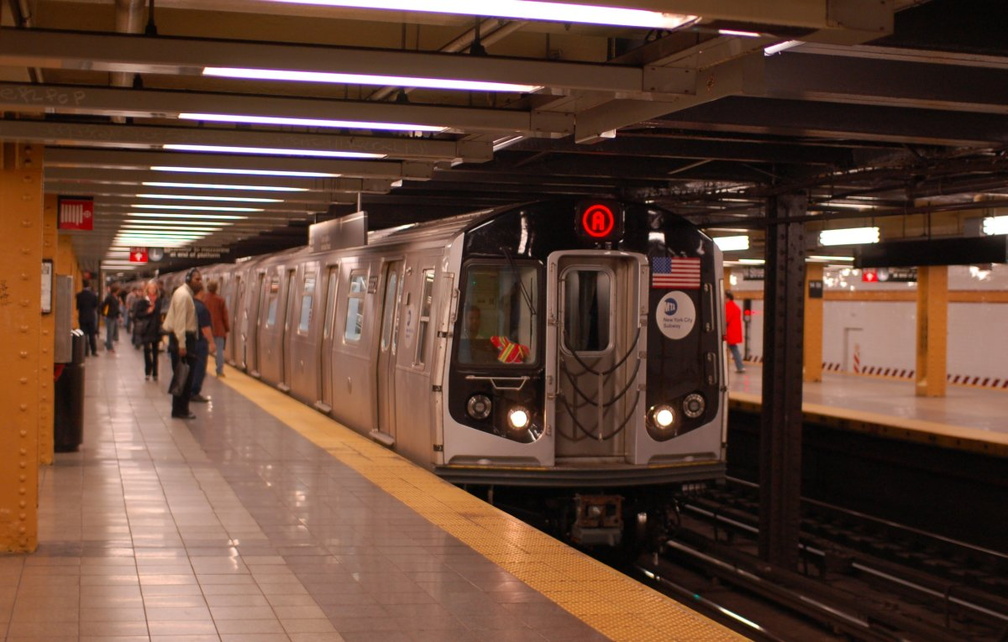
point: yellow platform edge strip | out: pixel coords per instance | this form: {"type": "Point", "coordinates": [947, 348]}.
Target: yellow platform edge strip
{"type": "Point", "coordinates": [587, 589]}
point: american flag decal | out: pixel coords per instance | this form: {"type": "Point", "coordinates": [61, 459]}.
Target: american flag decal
{"type": "Point", "coordinates": [673, 272]}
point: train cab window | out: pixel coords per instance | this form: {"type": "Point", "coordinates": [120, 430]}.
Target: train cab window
{"type": "Point", "coordinates": [423, 323]}
{"type": "Point", "coordinates": [307, 297]}
{"type": "Point", "coordinates": [355, 307]}
{"type": "Point", "coordinates": [586, 313]}
{"type": "Point", "coordinates": [498, 321]}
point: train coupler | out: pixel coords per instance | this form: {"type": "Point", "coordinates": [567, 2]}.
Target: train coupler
{"type": "Point", "coordinates": [598, 520]}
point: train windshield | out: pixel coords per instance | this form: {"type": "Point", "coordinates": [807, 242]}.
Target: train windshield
{"type": "Point", "coordinates": [498, 323]}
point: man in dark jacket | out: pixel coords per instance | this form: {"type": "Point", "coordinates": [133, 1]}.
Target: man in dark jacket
{"type": "Point", "coordinates": [87, 317]}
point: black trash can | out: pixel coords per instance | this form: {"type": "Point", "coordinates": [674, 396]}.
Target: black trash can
{"type": "Point", "coordinates": [68, 418]}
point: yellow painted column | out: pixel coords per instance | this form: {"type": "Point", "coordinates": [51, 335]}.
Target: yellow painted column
{"type": "Point", "coordinates": [50, 245]}
{"type": "Point", "coordinates": [813, 329]}
{"type": "Point", "coordinates": [20, 312]}
{"type": "Point", "coordinates": [932, 331]}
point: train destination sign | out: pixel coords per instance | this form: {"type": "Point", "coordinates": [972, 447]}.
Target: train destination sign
{"type": "Point", "coordinates": [599, 221]}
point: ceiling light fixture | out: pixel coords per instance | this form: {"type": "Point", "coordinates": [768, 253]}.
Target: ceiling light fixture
{"type": "Point", "coordinates": [783, 46]}
{"type": "Point", "coordinates": [995, 225]}
{"type": "Point", "coordinates": [310, 122]}
{"type": "Point", "coordinates": [168, 215]}
{"type": "Point", "coordinates": [274, 151]}
{"type": "Point", "coordinates": [523, 10]}
{"type": "Point", "coordinates": [227, 199]}
{"type": "Point", "coordinates": [240, 171]}
{"type": "Point", "coordinates": [849, 236]}
{"type": "Point", "coordinates": [201, 208]}
{"type": "Point", "coordinates": [732, 243]}
{"type": "Point", "coordinates": [290, 75]}
{"type": "Point", "coordinates": [231, 186]}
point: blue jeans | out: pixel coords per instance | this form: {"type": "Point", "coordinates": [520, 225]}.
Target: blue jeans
{"type": "Point", "coordinates": [219, 342]}
{"type": "Point", "coordinates": [737, 356]}
{"type": "Point", "coordinates": [111, 331]}
{"type": "Point", "coordinates": [199, 364]}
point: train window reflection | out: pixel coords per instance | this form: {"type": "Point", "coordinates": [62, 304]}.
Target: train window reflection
{"type": "Point", "coordinates": [426, 302]}
{"type": "Point", "coordinates": [498, 322]}
{"type": "Point", "coordinates": [307, 297]}
{"type": "Point", "coordinates": [355, 308]}
{"type": "Point", "coordinates": [586, 311]}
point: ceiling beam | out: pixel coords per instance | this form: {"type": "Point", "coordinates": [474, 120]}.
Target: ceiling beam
{"type": "Point", "coordinates": [152, 137]}
{"type": "Point", "coordinates": [150, 103]}
{"type": "Point", "coordinates": [144, 160]}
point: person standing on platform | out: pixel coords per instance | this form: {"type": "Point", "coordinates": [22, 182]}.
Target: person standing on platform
{"type": "Point", "coordinates": [219, 320]}
{"type": "Point", "coordinates": [180, 324]}
{"type": "Point", "coordinates": [204, 346]}
{"type": "Point", "coordinates": [87, 317]}
{"type": "Point", "coordinates": [134, 295]}
{"type": "Point", "coordinates": [147, 327]}
{"type": "Point", "coordinates": [733, 330]}
{"type": "Point", "coordinates": [110, 312]}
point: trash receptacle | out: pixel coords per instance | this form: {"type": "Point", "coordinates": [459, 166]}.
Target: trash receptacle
{"type": "Point", "coordinates": [68, 418]}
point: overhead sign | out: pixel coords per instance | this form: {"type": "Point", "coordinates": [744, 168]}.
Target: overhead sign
{"type": "Point", "coordinates": [197, 252]}
{"type": "Point", "coordinates": [138, 255]}
{"type": "Point", "coordinates": [75, 213]}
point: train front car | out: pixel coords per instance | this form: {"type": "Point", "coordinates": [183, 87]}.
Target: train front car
{"type": "Point", "coordinates": [587, 357]}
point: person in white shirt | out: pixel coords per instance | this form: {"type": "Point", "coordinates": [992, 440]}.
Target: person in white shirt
{"type": "Point", "coordinates": [180, 324]}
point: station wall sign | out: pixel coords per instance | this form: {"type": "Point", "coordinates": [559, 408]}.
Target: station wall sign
{"type": "Point", "coordinates": [207, 252]}
{"type": "Point", "coordinates": [75, 213]}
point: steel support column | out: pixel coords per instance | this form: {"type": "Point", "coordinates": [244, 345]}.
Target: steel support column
{"type": "Point", "coordinates": [780, 431]}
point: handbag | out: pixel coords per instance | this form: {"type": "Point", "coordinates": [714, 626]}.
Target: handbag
{"type": "Point", "coordinates": [177, 387]}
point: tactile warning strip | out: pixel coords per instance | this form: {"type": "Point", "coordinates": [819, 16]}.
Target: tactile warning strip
{"type": "Point", "coordinates": [606, 600]}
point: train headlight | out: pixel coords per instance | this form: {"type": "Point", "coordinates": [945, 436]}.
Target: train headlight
{"type": "Point", "coordinates": [479, 407]}
{"type": "Point", "coordinates": [662, 416]}
{"type": "Point", "coordinates": [518, 418]}
{"type": "Point", "coordinates": [694, 405]}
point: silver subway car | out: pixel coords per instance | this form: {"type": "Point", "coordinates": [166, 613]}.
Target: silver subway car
{"type": "Point", "coordinates": [570, 348]}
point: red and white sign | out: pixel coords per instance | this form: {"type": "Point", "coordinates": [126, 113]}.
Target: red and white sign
{"type": "Point", "coordinates": [869, 276]}
{"type": "Point", "coordinates": [75, 213]}
{"type": "Point", "coordinates": [138, 255]}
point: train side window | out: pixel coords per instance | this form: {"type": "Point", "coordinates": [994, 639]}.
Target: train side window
{"type": "Point", "coordinates": [355, 307]}
{"type": "Point", "coordinates": [587, 294]}
{"type": "Point", "coordinates": [423, 323]}
{"type": "Point", "coordinates": [307, 297]}
{"type": "Point", "coordinates": [498, 320]}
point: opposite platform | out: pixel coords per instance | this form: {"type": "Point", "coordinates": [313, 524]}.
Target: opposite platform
{"type": "Point", "coordinates": [235, 526]}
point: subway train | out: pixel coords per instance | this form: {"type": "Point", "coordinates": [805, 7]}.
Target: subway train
{"type": "Point", "coordinates": [571, 348]}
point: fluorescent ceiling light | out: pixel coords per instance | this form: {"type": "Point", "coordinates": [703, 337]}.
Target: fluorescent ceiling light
{"type": "Point", "coordinates": [274, 151]}
{"type": "Point", "coordinates": [752, 261]}
{"type": "Point", "coordinates": [311, 122]}
{"type": "Point", "coordinates": [229, 199]}
{"type": "Point", "coordinates": [995, 225]}
{"type": "Point", "coordinates": [239, 171]}
{"type": "Point", "coordinates": [202, 217]}
{"type": "Point", "coordinates": [849, 236]}
{"type": "Point", "coordinates": [821, 258]}
{"type": "Point", "coordinates": [523, 10]}
{"type": "Point", "coordinates": [201, 208]}
{"type": "Point", "coordinates": [783, 46]}
{"type": "Point", "coordinates": [162, 227]}
{"type": "Point", "coordinates": [732, 243]}
{"type": "Point", "coordinates": [231, 186]}
{"type": "Point", "coordinates": [290, 75]}
{"type": "Point", "coordinates": [741, 34]}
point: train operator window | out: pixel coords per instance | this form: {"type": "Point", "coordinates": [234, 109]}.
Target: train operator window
{"type": "Point", "coordinates": [498, 320]}
{"type": "Point", "coordinates": [423, 323]}
{"type": "Point", "coordinates": [355, 307]}
{"type": "Point", "coordinates": [586, 314]}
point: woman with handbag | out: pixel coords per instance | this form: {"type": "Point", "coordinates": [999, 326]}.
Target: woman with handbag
{"type": "Point", "coordinates": [147, 327]}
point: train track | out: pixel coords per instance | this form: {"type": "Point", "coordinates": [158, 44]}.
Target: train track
{"type": "Point", "coordinates": [858, 578]}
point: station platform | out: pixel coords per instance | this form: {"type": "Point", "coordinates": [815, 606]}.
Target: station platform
{"type": "Point", "coordinates": [262, 520]}
{"type": "Point", "coordinates": [967, 418]}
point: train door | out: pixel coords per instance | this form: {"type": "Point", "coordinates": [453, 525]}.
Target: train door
{"type": "Point", "coordinates": [234, 301]}
{"type": "Point", "coordinates": [387, 348]}
{"type": "Point", "coordinates": [596, 375]}
{"type": "Point", "coordinates": [285, 361]}
{"type": "Point", "coordinates": [250, 324]}
{"type": "Point", "coordinates": [327, 354]}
